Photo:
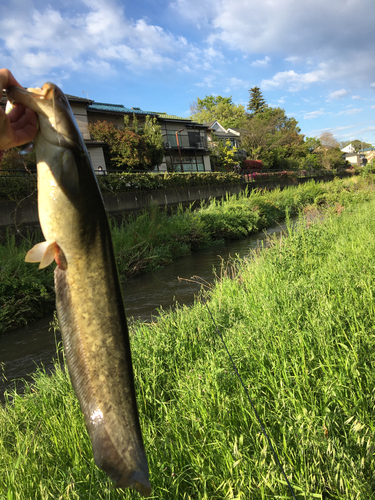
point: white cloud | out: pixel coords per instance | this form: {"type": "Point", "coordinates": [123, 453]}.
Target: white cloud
{"type": "Point", "coordinates": [372, 107]}
{"type": "Point", "coordinates": [207, 82]}
{"type": "Point", "coordinates": [293, 81]}
{"type": "Point", "coordinates": [313, 114]}
{"type": "Point", "coordinates": [353, 111]}
{"type": "Point", "coordinates": [42, 41]}
{"type": "Point", "coordinates": [294, 59]}
{"type": "Point", "coordinates": [356, 97]}
{"type": "Point", "coordinates": [261, 63]}
{"type": "Point", "coordinates": [338, 94]}
{"type": "Point", "coordinates": [238, 83]}
{"type": "Point", "coordinates": [311, 35]}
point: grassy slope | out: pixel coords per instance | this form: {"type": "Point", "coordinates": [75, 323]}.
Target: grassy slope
{"type": "Point", "coordinates": [299, 322]}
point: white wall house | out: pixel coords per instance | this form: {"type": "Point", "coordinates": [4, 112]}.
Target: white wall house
{"type": "Point", "coordinates": [348, 149]}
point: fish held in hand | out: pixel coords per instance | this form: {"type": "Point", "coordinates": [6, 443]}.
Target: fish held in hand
{"type": "Point", "coordinates": [89, 299]}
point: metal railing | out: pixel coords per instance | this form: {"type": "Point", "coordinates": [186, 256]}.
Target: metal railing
{"type": "Point", "coordinates": [189, 140]}
{"type": "Point", "coordinates": [270, 175]}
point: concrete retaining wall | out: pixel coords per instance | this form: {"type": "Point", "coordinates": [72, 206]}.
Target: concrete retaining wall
{"type": "Point", "coordinates": [25, 213]}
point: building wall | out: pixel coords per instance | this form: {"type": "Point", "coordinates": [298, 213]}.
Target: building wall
{"type": "Point", "coordinates": [97, 156]}
{"type": "Point", "coordinates": [116, 119]}
{"type": "Point", "coordinates": [80, 113]}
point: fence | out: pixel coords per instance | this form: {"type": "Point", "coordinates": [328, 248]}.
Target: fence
{"type": "Point", "coordinates": [265, 175]}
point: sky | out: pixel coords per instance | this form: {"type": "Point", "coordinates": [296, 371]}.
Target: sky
{"type": "Point", "coordinates": [315, 59]}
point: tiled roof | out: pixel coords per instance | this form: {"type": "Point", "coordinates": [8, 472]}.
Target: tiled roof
{"type": "Point", "coordinates": [118, 108]}
{"type": "Point", "coordinates": [173, 117]}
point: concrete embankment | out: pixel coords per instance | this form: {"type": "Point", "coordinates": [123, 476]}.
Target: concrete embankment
{"type": "Point", "coordinates": [25, 212]}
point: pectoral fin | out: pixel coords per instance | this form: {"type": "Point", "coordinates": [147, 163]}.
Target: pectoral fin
{"type": "Point", "coordinates": [42, 252]}
{"type": "Point", "coordinates": [69, 178]}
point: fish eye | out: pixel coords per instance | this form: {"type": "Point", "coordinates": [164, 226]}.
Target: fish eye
{"type": "Point", "coordinates": [61, 98]}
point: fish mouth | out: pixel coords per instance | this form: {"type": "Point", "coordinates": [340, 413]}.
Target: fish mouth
{"type": "Point", "coordinates": [29, 97]}
{"type": "Point", "coordinates": [52, 107]}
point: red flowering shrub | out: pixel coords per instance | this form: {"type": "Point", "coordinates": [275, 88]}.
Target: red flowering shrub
{"type": "Point", "coordinates": [252, 165]}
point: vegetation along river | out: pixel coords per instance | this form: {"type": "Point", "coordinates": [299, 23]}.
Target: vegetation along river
{"type": "Point", "coordinates": [23, 349]}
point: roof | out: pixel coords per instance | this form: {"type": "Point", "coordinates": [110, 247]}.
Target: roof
{"type": "Point", "coordinates": [118, 108]}
{"type": "Point", "coordinates": [78, 99]}
{"type": "Point", "coordinates": [173, 117]}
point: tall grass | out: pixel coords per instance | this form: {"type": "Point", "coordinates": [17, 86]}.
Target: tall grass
{"type": "Point", "coordinates": [153, 238]}
{"type": "Point", "coordinates": [26, 292]}
{"type": "Point", "coordinates": [298, 319]}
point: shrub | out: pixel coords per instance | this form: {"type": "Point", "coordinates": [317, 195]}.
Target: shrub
{"type": "Point", "coordinates": [252, 165]}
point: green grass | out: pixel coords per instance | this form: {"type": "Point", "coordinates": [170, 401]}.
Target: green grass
{"type": "Point", "coordinates": [153, 239]}
{"type": "Point", "coordinates": [26, 292]}
{"type": "Point", "coordinates": [299, 321]}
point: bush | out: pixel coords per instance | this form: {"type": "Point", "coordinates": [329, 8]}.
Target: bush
{"type": "Point", "coordinates": [252, 165]}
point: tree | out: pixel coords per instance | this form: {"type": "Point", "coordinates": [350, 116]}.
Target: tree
{"type": "Point", "coordinates": [312, 143]}
{"type": "Point", "coordinates": [274, 138]}
{"type": "Point", "coordinates": [151, 132]}
{"type": "Point", "coordinates": [18, 159]}
{"type": "Point", "coordinates": [132, 147]}
{"type": "Point", "coordinates": [356, 143]}
{"type": "Point", "coordinates": [219, 108]}
{"type": "Point", "coordinates": [328, 140]}
{"type": "Point", "coordinates": [223, 156]}
{"type": "Point", "coordinates": [257, 103]}
{"type": "Point", "coordinates": [127, 149]}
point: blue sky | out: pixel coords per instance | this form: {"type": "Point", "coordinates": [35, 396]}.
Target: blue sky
{"type": "Point", "coordinates": [315, 59]}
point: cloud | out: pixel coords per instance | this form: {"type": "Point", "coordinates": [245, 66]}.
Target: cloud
{"type": "Point", "coordinates": [51, 39]}
{"type": "Point", "coordinates": [356, 97]}
{"type": "Point", "coordinates": [207, 82]}
{"type": "Point", "coordinates": [306, 36]}
{"type": "Point", "coordinates": [294, 59]}
{"type": "Point", "coordinates": [337, 94]}
{"type": "Point", "coordinates": [261, 63]}
{"type": "Point", "coordinates": [292, 81]}
{"type": "Point", "coordinates": [353, 111]}
{"type": "Point", "coordinates": [238, 83]}
{"type": "Point", "coordinates": [313, 114]}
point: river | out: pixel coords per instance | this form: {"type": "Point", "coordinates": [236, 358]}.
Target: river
{"type": "Point", "coordinates": [24, 349]}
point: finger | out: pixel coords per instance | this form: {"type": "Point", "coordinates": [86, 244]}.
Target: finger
{"type": "Point", "coordinates": [7, 79]}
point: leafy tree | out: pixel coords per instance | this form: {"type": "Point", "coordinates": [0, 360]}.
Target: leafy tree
{"type": "Point", "coordinates": [257, 103]}
{"type": "Point", "coordinates": [132, 147]}
{"type": "Point", "coordinates": [312, 143]}
{"type": "Point", "coordinates": [127, 149]}
{"type": "Point", "coordinates": [151, 132]}
{"type": "Point", "coordinates": [357, 144]}
{"type": "Point", "coordinates": [219, 108]}
{"type": "Point", "coordinates": [223, 155]}
{"type": "Point", "coordinates": [274, 138]}
{"type": "Point", "coordinates": [17, 159]}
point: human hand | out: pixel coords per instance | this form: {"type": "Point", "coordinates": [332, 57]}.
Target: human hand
{"type": "Point", "coordinates": [20, 125]}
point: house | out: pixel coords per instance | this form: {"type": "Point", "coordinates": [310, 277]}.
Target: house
{"type": "Point", "coordinates": [185, 141]}
{"type": "Point", "coordinates": [215, 129]}
{"type": "Point", "coordinates": [355, 159]}
{"type": "Point", "coordinates": [348, 149]}
{"type": "Point", "coordinates": [370, 155]}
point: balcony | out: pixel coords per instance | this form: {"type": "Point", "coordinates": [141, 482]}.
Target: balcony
{"type": "Point", "coordinates": [185, 140]}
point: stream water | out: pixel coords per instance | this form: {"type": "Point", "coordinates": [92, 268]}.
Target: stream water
{"type": "Point", "coordinates": [24, 349]}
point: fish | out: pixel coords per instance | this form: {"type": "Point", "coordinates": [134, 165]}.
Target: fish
{"type": "Point", "coordinates": [89, 299]}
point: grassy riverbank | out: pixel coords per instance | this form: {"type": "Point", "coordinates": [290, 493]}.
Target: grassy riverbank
{"type": "Point", "coordinates": [298, 320]}
{"type": "Point", "coordinates": [153, 239]}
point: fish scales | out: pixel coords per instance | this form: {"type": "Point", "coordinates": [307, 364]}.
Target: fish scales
{"type": "Point", "coordinates": [88, 293]}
